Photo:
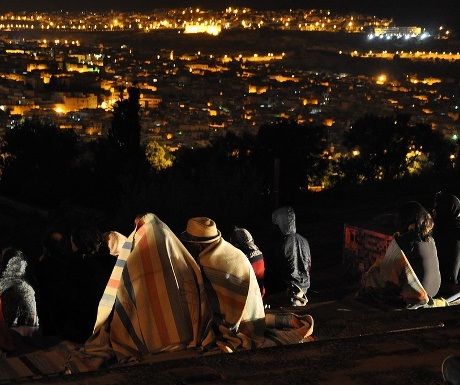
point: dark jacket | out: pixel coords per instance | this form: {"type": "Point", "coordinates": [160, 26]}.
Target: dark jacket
{"type": "Point", "coordinates": [446, 234]}
{"type": "Point", "coordinates": [87, 279]}
{"type": "Point", "coordinates": [292, 262]}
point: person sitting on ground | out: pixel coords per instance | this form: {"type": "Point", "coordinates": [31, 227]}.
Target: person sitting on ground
{"type": "Point", "coordinates": [287, 271]}
{"type": "Point", "coordinates": [52, 282]}
{"type": "Point", "coordinates": [154, 303]}
{"type": "Point", "coordinates": [89, 270]}
{"type": "Point", "coordinates": [446, 234]}
{"type": "Point", "coordinates": [18, 300]}
{"type": "Point", "coordinates": [6, 340]}
{"type": "Point", "coordinates": [154, 270]}
{"type": "Point", "coordinates": [408, 274]}
{"type": "Point", "coordinates": [242, 239]}
{"type": "Point", "coordinates": [231, 286]}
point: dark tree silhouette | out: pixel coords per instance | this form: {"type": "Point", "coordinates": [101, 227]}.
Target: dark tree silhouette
{"type": "Point", "coordinates": [38, 162]}
{"type": "Point", "coordinates": [384, 143]}
{"type": "Point", "coordinates": [300, 150]}
{"type": "Point", "coordinates": [125, 132]}
{"type": "Point", "coordinates": [221, 180]}
{"type": "Point", "coordinates": [438, 149]}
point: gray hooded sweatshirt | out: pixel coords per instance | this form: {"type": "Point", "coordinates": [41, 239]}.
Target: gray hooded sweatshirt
{"type": "Point", "coordinates": [18, 296]}
{"type": "Point", "coordinates": [294, 258]}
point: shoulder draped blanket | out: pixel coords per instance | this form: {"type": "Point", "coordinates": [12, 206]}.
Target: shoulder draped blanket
{"type": "Point", "coordinates": [392, 279]}
{"type": "Point", "coordinates": [154, 302]}
{"type": "Point", "coordinates": [155, 308]}
{"type": "Point", "coordinates": [238, 308]}
{"type": "Point", "coordinates": [234, 295]}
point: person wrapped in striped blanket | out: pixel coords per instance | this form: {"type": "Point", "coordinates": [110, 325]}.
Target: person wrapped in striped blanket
{"type": "Point", "coordinates": [239, 318]}
{"type": "Point", "coordinates": [154, 302]}
{"type": "Point", "coordinates": [161, 304]}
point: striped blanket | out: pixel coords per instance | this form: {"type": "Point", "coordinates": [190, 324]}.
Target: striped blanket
{"type": "Point", "coordinates": [154, 302]}
{"type": "Point", "coordinates": [234, 295]}
{"type": "Point", "coordinates": [238, 310]}
{"type": "Point", "coordinates": [392, 280]}
{"type": "Point", "coordinates": [155, 308]}
{"type": "Point", "coordinates": [40, 363]}
{"type": "Point", "coordinates": [284, 328]}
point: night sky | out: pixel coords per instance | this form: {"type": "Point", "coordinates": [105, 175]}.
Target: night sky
{"type": "Point", "coordinates": [421, 12]}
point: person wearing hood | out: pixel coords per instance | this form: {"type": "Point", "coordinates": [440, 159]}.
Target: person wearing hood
{"type": "Point", "coordinates": [446, 233]}
{"type": "Point", "coordinates": [242, 239]}
{"type": "Point", "coordinates": [287, 275]}
{"type": "Point", "coordinates": [17, 295]}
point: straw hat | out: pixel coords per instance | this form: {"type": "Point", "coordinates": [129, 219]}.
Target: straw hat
{"type": "Point", "coordinates": [200, 230]}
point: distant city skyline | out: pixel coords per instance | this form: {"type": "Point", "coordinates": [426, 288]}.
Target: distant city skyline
{"type": "Point", "coordinates": [428, 9]}
{"type": "Point", "coordinates": [426, 12]}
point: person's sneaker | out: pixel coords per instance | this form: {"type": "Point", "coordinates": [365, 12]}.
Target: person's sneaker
{"type": "Point", "coordinates": [451, 370]}
{"type": "Point", "coordinates": [297, 296]}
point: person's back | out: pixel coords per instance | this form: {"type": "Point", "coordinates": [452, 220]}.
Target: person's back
{"type": "Point", "coordinates": [52, 282]}
{"type": "Point", "coordinates": [289, 268]}
{"type": "Point", "coordinates": [446, 234]}
{"type": "Point", "coordinates": [408, 275]}
{"type": "Point", "coordinates": [422, 256]}
{"type": "Point", "coordinates": [89, 270]}
{"type": "Point", "coordinates": [154, 303]}
{"type": "Point", "coordinates": [297, 245]}
{"type": "Point", "coordinates": [18, 297]}
{"type": "Point", "coordinates": [227, 269]}
{"type": "Point", "coordinates": [230, 282]}
{"type": "Point", "coordinates": [242, 239]}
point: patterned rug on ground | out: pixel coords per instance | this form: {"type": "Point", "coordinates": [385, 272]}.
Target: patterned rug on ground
{"type": "Point", "coordinates": [36, 364]}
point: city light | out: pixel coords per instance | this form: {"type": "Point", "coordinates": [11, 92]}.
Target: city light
{"type": "Point", "coordinates": [227, 89]}
{"type": "Point", "coordinates": [381, 79]}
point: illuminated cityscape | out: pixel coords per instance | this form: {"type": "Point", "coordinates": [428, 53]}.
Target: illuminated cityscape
{"type": "Point", "coordinates": [192, 20]}
{"type": "Point", "coordinates": [111, 119]}
{"type": "Point", "coordinates": [70, 68]}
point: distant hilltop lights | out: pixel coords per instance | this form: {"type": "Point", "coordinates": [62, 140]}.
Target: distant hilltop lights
{"type": "Point", "coordinates": [203, 28]}
{"type": "Point", "coordinates": [411, 55]}
{"type": "Point", "coordinates": [405, 33]}
{"type": "Point", "coordinates": [196, 20]}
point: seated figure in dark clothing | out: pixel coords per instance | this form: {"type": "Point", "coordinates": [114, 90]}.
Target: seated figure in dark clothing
{"type": "Point", "coordinates": [17, 295]}
{"type": "Point", "coordinates": [414, 238]}
{"type": "Point", "coordinates": [446, 234]}
{"type": "Point", "coordinates": [89, 270]}
{"type": "Point", "coordinates": [408, 274]}
{"type": "Point", "coordinates": [52, 282]}
{"type": "Point", "coordinates": [287, 269]}
{"type": "Point", "coordinates": [242, 239]}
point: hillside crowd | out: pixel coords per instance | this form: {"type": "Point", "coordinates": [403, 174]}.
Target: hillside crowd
{"type": "Point", "coordinates": [121, 297]}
